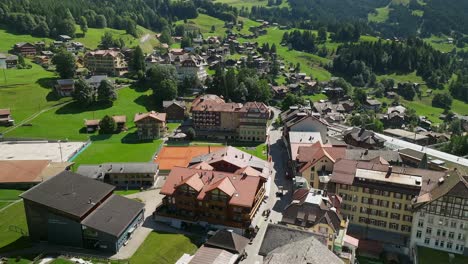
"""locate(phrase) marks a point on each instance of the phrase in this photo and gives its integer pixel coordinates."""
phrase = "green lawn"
(162, 248)
(4, 204)
(440, 43)
(114, 150)
(61, 261)
(432, 256)
(8, 39)
(8, 194)
(380, 15)
(126, 192)
(9, 240)
(27, 91)
(204, 23)
(258, 151)
(71, 117)
(316, 97)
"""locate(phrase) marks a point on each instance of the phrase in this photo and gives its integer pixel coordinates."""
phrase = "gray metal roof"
(114, 215)
(228, 240)
(98, 171)
(364, 154)
(278, 235)
(69, 192)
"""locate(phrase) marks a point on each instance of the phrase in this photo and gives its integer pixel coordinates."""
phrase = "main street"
(279, 157)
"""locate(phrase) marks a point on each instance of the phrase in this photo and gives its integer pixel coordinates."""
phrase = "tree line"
(50, 18)
(357, 62)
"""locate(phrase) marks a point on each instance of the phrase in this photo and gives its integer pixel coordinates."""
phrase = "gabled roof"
(181, 104)
(452, 184)
(161, 117)
(202, 166)
(5, 112)
(98, 171)
(312, 154)
(193, 181)
(234, 156)
(228, 240)
(240, 189)
(364, 154)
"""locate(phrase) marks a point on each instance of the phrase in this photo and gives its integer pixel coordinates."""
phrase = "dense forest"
(52, 17)
(358, 61)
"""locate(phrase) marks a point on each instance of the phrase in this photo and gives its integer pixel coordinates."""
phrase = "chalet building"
(8, 61)
(151, 125)
(314, 211)
(360, 137)
(440, 219)
(175, 110)
(65, 87)
(191, 67)
(108, 62)
(208, 197)
(73, 210)
(412, 137)
(233, 160)
(301, 119)
(133, 175)
(372, 104)
(25, 49)
(5, 117)
(92, 125)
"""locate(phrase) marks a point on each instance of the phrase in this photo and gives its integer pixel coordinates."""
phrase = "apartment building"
(213, 117)
(253, 118)
(377, 198)
(110, 62)
(440, 220)
(208, 197)
(151, 125)
(314, 211)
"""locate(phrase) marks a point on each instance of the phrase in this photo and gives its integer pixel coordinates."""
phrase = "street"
(276, 204)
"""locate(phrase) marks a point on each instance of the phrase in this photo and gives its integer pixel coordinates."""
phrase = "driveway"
(151, 199)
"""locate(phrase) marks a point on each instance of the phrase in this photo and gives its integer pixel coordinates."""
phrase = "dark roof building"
(360, 137)
(229, 241)
(73, 210)
(287, 245)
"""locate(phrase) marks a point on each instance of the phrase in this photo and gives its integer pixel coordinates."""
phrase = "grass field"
(126, 192)
(8, 194)
(114, 150)
(249, 3)
(380, 15)
(204, 23)
(13, 215)
(441, 43)
(8, 39)
(68, 120)
(432, 256)
(27, 91)
(258, 151)
(163, 248)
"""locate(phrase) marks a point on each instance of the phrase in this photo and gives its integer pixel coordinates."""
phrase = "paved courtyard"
(38, 150)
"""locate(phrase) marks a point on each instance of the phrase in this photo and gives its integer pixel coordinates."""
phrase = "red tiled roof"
(241, 189)
(155, 115)
(310, 155)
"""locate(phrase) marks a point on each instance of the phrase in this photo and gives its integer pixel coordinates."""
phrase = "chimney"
(181, 178)
(389, 171)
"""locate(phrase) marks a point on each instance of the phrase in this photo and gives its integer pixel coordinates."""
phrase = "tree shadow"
(140, 87)
(148, 102)
(52, 96)
(47, 82)
(77, 108)
(100, 137)
(132, 138)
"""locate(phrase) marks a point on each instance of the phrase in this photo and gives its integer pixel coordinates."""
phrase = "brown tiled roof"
(310, 155)
(453, 183)
(202, 166)
(255, 107)
(5, 112)
(102, 53)
(92, 122)
(214, 103)
(22, 171)
(240, 189)
(161, 117)
(120, 119)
